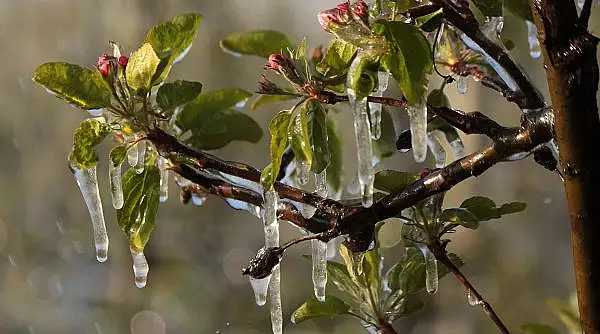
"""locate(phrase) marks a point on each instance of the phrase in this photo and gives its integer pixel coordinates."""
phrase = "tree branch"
(586, 11)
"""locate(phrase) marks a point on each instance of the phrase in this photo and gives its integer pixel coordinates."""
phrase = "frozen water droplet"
(458, 148)
(260, 287)
(436, 148)
(198, 200)
(116, 189)
(431, 269)
(302, 172)
(319, 268)
(139, 166)
(87, 181)
(375, 108)
(164, 179)
(535, 50)
(140, 268)
(417, 115)
(462, 85)
(472, 299)
(241, 104)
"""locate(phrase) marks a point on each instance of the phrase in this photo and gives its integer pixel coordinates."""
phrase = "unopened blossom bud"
(123, 61)
(265, 86)
(341, 15)
(361, 10)
(103, 64)
(285, 67)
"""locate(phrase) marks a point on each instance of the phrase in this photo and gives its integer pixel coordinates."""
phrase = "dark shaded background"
(50, 281)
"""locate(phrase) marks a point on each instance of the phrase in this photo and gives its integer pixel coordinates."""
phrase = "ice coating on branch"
(471, 298)
(417, 115)
(319, 268)
(436, 148)
(132, 153)
(462, 85)
(375, 108)
(331, 249)
(458, 148)
(272, 240)
(357, 262)
(139, 166)
(260, 287)
(302, 172)
(87, 181)
(164, 179)
(535, 50)
(140, 268)
(431, 269)
(116, 189)
(362, 130)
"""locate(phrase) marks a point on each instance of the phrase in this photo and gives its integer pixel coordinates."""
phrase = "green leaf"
(298, 134)
(82, 87)
(485, 209)
(278, 127)
(337, 58)
(411, 305)
(460, 216)
(213, 124)
(442, 125)
(392, 180)
(385, 146)
(177, 93)
(141, 68)
(339, 276)
(88, 135)
(437, 98)
(371, 269)
(318, 136)
(408, 58)
(361, 79)
(263, 99)
(539, 329)
(141, 194)
(261, 43)
(117, 155)
(334, 145)
(314, 309)
(567, 313)
(431, 21)
(519, 8)
(489, 8)
(172, 39)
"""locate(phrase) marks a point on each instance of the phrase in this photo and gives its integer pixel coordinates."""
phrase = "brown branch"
(442, 256)
(464, 20)
(572, 72)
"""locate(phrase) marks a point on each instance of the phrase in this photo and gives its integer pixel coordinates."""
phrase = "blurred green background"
(50, 281)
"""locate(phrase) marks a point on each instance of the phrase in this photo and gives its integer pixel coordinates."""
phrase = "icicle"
(431, 270)
(458, 148)
(164, 179)
(87, 181)
(417, 115)
(321, 183)
(140, 268)
(362, 130)
(139, 166)
(272, 240)
(437, 150)
(132, 153)
(116, 189)
(471, 298)
(462, 85)
(375, 108)
(319, 268)
(260, 286)
(535, 51)
(331, 249)
(302, 172)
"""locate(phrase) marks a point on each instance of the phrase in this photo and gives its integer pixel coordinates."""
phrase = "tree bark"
(572, 71)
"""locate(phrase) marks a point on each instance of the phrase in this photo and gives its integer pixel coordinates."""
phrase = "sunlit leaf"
(279, 140)
(298, 135)
(314, 309)
(88, 135)
(263, 99)
(337, 58)
(385, 146)
(260, 43)
(117, 155)
(392, 180)
(177, 93)
(460, 216)
(141, 68)
(318, 136)
(334, 144)
(485, 209)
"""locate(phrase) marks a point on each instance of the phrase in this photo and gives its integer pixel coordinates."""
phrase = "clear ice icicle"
(431, 270)
(275, 302)
(417, 115)
(87, 180)
(458, 148)
(302, 172)
(535, 50)
(462, 85)
(375, 108)
(471, 298)
(116, 189)
(437, 150)
(132, 153)
(260, 287)
(164, 179)
(272, 240)
(362, 130)
(140, 268)
(319, 268)
(321, 183)
(139, 166)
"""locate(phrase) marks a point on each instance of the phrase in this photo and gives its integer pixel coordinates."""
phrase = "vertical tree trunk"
(572, 70)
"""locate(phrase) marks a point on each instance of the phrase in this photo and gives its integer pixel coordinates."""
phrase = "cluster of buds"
(284, 66)
(107, 64)
(266, 86)
(343, 15)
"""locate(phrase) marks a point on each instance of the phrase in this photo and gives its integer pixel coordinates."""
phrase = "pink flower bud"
(123, 61)
(265, 86)
(332, 18)
(285, 67)
(103, 64)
